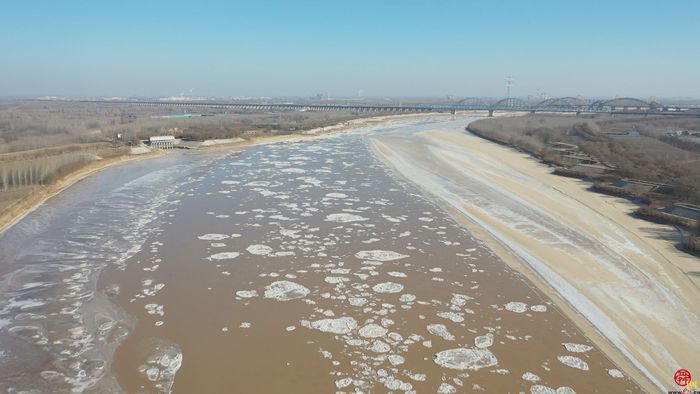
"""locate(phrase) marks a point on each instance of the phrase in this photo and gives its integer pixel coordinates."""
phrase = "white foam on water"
(285, 290)
(344, 218)
(224, 256)
(387, 287)
(577, 347)
(341, 325)
(379, 255)
(517, 307)
(372, 331)
(465, 359)
(573, 362)
(441, 331)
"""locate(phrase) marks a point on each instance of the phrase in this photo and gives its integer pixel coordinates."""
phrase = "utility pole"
(509, 83)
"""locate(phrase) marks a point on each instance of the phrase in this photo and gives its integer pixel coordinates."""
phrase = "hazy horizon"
(393, 49)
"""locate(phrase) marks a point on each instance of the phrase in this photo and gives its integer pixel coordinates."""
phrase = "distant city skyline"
(350, 49)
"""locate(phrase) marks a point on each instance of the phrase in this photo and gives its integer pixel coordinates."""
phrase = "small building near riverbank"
(161, 142)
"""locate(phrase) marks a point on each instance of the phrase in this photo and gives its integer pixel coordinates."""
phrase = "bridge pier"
(490, 113)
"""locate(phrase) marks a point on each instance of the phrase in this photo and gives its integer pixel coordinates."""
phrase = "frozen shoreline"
(607, 266)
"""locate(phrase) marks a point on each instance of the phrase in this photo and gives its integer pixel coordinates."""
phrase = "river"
(301, 266)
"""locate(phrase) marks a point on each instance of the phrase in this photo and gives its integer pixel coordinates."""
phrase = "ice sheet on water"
(213, 237)
(372, 331)
(224, 256)
(517, 307)
(531, 377)
(246, 293)
(259, 250)
(379, 255)
(387, 287)
(397, 274)
(577, 347)
(573, 362)
(441, 331)
(341, 325)
(285, 290)
(465, 359)
(345, 218)
(615, 373)
(483, 341)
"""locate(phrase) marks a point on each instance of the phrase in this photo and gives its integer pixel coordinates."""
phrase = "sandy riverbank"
(619, 276)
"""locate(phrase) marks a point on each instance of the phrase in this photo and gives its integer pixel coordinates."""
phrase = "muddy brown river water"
(296, 267)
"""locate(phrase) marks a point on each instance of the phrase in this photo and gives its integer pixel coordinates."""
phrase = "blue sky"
(385, 48)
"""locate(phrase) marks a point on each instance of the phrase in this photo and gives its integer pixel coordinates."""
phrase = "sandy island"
(617, 276)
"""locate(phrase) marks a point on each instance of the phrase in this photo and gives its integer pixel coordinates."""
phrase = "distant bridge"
(624, 105)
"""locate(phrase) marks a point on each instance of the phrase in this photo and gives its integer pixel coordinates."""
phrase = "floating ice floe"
(446, 388)
(372, 331)
(387, 287)
(224, 256)
(341, 325)
(335, 279)
(342, 383)
(397, 274)
(161, 367)
(379, 255)
(453, 316)
(212, 237)
(407, 298)
(538, 308)
(285, 290)
(344, 218)
(245, 324)
(531, 377)
(483, 341)
(441, 331)
(259, 250)
(395, 359)
(336, 195)
(517, 307)
(357, 301)
(573, 362)
(540, 389)
(615, 373)
(247, 293)
(465, 358)
(577, 347)
(380, 347)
